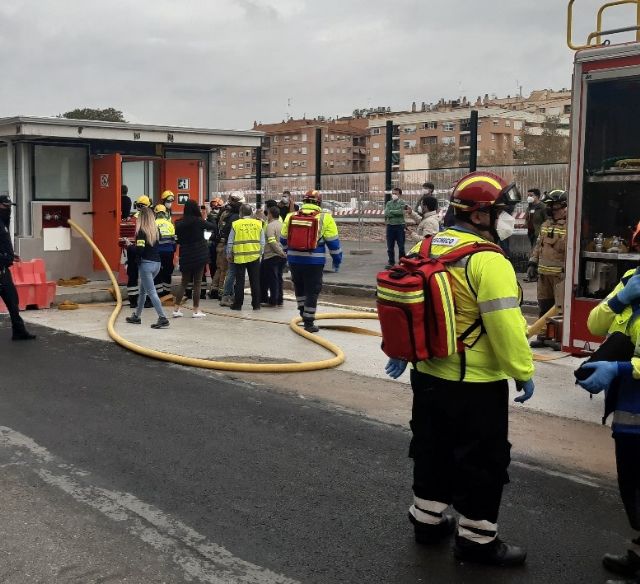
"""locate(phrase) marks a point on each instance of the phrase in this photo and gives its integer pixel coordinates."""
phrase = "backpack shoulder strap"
(469, 249)
(425, 247)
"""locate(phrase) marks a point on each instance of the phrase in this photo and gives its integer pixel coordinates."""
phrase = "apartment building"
(289, 149)
(446, 136)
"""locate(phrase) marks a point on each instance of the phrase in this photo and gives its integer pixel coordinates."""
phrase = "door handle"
(88, 212)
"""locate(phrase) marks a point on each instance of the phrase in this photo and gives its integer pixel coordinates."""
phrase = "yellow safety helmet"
(166, 195)
(143, 201)
(159, 209)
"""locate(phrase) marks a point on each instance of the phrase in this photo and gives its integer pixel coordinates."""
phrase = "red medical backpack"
(303, 231)
(416, 304)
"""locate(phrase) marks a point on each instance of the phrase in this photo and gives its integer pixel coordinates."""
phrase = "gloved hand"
(604, 372)
(528, 387)
(631, 292)
(532, 271)
(395, 368)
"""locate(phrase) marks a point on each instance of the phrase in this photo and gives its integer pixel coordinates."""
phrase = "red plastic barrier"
(31, 282)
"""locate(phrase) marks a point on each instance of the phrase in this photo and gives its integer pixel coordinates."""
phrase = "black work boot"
(213, 294)
(427, 534)
(539, 342)
(627, 565)
(496, 553)
(133, 301)
(22, 335)
(162, 322)
(310, 327)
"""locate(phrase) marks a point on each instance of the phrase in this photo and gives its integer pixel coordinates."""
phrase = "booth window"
(60, 173)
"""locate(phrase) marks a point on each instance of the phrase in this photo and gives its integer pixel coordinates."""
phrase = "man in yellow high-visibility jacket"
(244, 248)
(460, 445)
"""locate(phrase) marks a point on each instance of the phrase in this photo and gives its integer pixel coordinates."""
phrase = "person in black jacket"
(148, 260)
(235, 201)
(8, 291)
(194, 255)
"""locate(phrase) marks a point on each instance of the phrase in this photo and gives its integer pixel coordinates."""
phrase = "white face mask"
(394, 197)
(505, 225)
(530, 200)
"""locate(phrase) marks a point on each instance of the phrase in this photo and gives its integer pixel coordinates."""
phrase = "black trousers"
(132, 275)
(307, 283)
(9, 296)
(163, 280)
(460, 447)
(627, 457)
(271, 270)
(253, 269)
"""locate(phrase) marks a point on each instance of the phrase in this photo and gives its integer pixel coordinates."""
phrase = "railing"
(599, 33)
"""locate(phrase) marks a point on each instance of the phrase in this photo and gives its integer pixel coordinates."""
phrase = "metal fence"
(357, 200)
(369, 187)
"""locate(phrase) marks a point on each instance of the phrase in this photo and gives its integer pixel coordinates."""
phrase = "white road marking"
(199, 558)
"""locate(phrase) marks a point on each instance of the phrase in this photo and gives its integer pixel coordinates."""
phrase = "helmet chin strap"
(491, 228)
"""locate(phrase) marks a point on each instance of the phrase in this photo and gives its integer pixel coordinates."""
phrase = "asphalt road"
(184, 462)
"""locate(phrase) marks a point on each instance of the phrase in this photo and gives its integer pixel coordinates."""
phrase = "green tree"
(547, 146)
(441, 155)
(86, 113)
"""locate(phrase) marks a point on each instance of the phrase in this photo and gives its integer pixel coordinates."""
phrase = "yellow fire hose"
(224, 365)
(255, 367)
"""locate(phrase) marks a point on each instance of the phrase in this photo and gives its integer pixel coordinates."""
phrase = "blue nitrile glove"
(631, 292)
(528, 387)
(395, 368)
(604, 372)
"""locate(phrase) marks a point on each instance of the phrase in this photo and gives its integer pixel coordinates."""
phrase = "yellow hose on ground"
(338, 359)
(225, 365)
(540, 324)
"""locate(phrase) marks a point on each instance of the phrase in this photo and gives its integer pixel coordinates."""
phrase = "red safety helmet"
(481, 189)
(313, 196)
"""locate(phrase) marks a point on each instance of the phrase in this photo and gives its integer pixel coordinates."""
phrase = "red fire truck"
(604, 180)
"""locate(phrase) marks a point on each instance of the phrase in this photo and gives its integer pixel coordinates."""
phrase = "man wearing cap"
(8, 291)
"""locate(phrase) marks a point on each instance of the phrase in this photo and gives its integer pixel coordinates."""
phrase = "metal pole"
(473, 137)
(318, 158)
(259, 176)
(388, 161)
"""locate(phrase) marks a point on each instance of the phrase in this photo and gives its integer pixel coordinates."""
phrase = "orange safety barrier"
(31, 283)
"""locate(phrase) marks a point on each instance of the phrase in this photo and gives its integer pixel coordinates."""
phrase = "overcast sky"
(225, 63)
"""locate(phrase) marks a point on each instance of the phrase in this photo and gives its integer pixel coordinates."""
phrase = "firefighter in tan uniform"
(547, 260)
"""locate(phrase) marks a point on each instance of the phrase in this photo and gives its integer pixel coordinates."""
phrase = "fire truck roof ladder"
(599, 33)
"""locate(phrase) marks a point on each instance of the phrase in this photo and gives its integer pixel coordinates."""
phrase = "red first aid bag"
(416, 304)
(303, 231)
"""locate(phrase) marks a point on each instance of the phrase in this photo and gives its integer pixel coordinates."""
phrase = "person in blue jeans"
(394, 218)
(148, 258)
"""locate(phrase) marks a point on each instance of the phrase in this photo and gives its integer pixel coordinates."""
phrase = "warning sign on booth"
(183, 184)
(104, 181)
(183, 198)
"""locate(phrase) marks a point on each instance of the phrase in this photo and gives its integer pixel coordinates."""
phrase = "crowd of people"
(231, 240)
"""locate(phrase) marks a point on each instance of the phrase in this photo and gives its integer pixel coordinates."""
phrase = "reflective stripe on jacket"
(248, 236)
(608, 317)
(327, 234)
(550, 249)
(485, 287)
(167, 230)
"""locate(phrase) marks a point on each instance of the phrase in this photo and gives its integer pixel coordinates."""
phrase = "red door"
(106, 181)
(183, 178)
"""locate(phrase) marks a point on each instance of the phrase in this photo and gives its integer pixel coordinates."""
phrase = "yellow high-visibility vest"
(246, 240)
